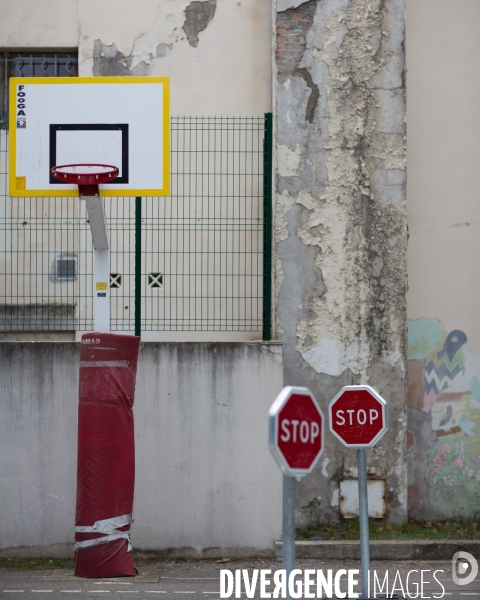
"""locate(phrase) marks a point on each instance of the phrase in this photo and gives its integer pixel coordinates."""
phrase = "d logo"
(460, 563)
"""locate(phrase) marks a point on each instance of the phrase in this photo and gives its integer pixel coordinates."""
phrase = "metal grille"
(35, 64)
(202, 247)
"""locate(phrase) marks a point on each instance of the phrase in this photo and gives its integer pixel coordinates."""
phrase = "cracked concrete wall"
(218, 53)
(340, 233)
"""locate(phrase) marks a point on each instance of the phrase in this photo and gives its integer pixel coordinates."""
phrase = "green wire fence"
(205, 261)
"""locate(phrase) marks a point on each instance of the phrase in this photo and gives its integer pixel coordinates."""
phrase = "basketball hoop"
(87, 180)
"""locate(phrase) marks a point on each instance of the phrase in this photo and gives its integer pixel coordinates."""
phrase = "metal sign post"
(358, 418)
(101, 270)
(88, 177)
(296, 441)
(288, 528)
(363, 516)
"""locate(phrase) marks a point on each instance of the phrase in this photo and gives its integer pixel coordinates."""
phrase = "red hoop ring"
(85, 178)
(87, 182)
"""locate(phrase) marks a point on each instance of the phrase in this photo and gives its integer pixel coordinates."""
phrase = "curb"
(383, 549)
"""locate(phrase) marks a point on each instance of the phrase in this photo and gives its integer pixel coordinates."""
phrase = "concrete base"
(383, 549)
(341, 550)
(66, 551)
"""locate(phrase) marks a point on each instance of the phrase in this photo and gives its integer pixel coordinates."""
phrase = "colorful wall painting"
(444, 383)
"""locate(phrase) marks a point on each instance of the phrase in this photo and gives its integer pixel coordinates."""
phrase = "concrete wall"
(444, 292)
(27, 25)
(218, 53)
(205, 479)
(341, 220)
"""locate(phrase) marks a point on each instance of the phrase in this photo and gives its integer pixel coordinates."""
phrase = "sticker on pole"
(296, 431)
(358, 416)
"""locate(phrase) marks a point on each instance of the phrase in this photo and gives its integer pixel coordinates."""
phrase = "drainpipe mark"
(304, 73)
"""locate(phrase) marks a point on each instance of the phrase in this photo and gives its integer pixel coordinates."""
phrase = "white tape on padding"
(123, 364)
(109, 527)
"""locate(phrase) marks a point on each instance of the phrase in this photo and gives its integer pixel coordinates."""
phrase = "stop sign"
(358, 416)
(296, 431)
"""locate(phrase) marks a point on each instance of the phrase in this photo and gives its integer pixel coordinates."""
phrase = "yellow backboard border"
(12, 180)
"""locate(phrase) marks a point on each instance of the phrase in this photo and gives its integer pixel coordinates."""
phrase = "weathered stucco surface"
(50, 24)
(217, 53)
(341, 220)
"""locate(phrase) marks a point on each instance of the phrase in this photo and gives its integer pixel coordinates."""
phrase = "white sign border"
(273, 413)
(377, 396)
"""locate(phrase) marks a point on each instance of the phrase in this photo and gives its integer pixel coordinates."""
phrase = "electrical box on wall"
(66, 268)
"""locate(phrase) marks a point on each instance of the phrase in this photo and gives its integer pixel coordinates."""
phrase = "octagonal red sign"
(358, 416)
(296, 431)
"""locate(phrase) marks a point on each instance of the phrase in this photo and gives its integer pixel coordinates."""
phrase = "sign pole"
(358, 418)
(288, 547)
(296, 441)
(363, 514)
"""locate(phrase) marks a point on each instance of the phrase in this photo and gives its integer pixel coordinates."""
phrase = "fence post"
(267, 225)
(138, 265)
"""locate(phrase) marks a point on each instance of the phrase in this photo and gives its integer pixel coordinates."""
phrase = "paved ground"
(200, 580)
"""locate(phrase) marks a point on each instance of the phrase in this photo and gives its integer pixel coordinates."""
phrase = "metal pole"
(101, 266)
(138, 265)
(288, 551)
(267, 225)
(101, 305)
(363, 513)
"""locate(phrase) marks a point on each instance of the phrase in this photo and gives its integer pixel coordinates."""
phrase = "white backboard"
(121, 121)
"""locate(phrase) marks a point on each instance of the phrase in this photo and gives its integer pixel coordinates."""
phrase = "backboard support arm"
(98, 227)
(87, 176)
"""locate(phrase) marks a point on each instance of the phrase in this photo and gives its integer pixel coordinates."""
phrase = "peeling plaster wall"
(218, 53)
(341, 221)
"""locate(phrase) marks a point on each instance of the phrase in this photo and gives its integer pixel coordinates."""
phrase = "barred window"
(32, 64)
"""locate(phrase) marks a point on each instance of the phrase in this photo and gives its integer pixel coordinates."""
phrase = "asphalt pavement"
(200, 579)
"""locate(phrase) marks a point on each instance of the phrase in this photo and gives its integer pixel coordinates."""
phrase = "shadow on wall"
(444, 384)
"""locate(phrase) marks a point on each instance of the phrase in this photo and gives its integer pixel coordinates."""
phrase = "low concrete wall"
(393, 550)
(205, 480)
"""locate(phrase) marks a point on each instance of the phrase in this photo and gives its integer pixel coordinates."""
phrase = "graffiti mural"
(444, 383)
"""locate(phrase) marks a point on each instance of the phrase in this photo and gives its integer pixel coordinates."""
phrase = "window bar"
(18, 66)
(5, 96)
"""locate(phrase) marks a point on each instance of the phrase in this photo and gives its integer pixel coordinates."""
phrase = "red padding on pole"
(106, 455)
